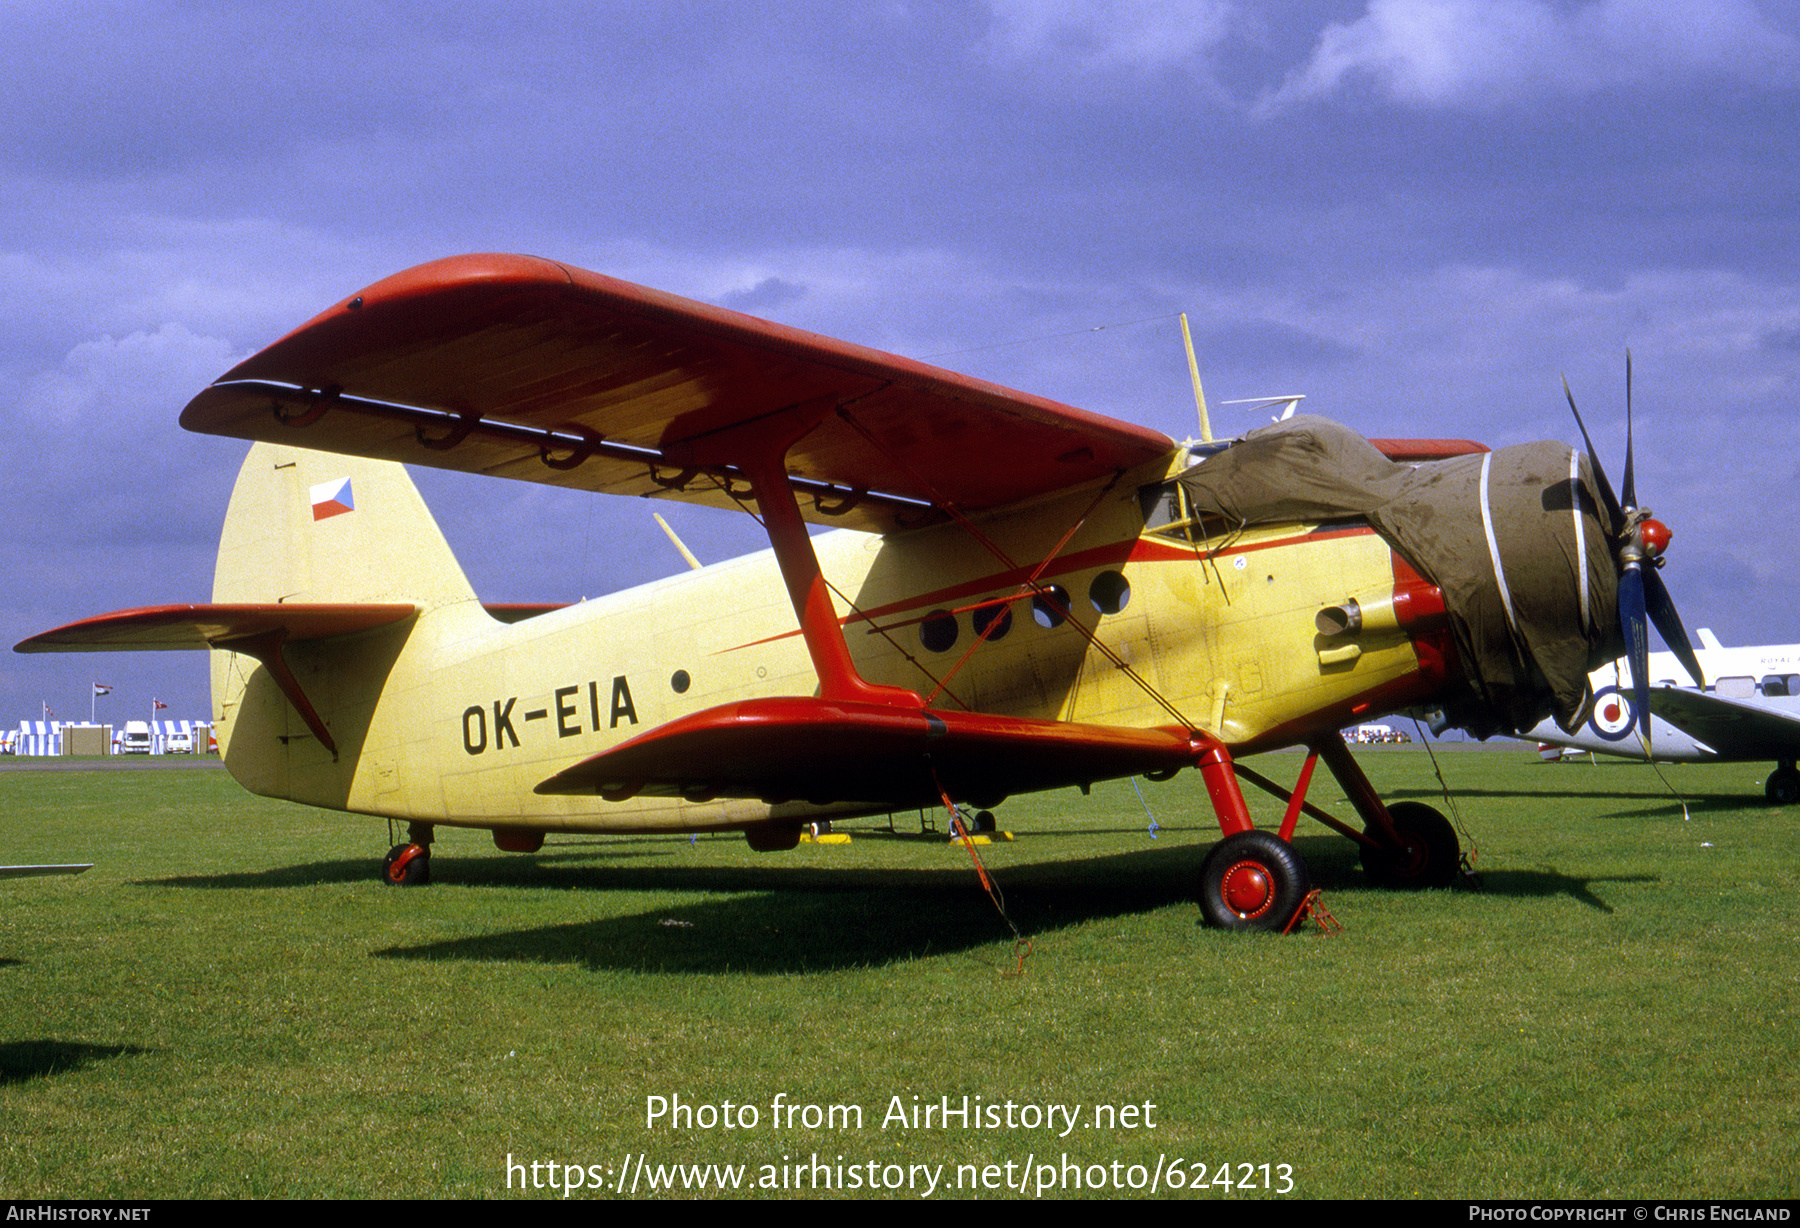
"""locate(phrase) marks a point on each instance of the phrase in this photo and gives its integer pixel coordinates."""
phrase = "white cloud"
(122, 377)
(1484, 53)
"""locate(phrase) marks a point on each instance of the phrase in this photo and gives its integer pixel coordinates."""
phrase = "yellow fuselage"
(454, 717)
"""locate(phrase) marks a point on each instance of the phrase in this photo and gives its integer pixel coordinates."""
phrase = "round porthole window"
(998, 617)
(1050, 608)
(1110, 592)
(938, 631)
(680, 682)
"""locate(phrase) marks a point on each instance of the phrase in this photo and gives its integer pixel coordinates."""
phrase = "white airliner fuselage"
(1748, 710)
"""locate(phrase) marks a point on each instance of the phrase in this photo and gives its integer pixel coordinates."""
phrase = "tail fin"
(320, 527)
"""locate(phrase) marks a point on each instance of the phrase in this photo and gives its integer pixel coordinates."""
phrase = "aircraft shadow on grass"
(781, 919)
(1544, 882)
(512, 871)
(1652, 801)
(784, 921)
(21, 1060)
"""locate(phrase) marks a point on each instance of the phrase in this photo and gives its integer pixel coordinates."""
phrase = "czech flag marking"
(332, 499)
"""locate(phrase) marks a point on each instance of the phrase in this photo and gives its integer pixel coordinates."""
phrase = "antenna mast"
(1187, 340)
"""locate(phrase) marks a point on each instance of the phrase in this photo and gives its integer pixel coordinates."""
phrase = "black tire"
(983, 821)
(416, 872)
(1431, 857)
(1783, 787)
(1253, 880)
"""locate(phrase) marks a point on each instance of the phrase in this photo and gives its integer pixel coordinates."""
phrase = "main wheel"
(1783, 787)
(407, 865)
(1253, 880)
(1429, 856)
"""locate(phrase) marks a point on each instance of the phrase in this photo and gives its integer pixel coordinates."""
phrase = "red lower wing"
(833, 751)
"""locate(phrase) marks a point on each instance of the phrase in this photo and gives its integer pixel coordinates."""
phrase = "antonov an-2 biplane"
(1030, 596)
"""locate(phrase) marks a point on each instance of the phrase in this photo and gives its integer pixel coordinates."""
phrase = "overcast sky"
(1419, 213)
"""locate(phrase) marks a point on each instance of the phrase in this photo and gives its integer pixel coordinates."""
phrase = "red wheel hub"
(396, 871)
(1248, 889)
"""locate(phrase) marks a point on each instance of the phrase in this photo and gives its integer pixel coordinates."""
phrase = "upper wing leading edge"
(521, 367)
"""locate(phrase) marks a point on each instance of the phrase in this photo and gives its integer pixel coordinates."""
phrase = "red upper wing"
(528, 343)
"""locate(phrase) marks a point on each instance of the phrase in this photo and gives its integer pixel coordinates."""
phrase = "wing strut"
(759, 448)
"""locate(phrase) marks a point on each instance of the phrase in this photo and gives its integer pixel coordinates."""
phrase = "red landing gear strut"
(1255, 879)
(1252, 880)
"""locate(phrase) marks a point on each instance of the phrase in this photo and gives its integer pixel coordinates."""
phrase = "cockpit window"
(1166, 511)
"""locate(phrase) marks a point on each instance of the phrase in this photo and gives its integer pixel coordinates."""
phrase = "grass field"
(230, 1004)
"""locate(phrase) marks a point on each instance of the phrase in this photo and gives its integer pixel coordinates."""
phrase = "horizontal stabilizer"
(835, 751)
(163, 628)
(1734, 728)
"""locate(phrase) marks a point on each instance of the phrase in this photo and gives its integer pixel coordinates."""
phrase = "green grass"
(229, 1004)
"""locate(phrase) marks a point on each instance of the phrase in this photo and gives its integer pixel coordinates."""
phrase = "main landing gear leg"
(1407, 845)
(1251, 880)
(409, 865)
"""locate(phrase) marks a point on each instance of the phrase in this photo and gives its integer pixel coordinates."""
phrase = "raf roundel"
(1612, 717)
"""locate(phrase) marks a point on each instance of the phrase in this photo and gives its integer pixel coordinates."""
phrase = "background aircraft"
(1748, 710)
(1037, 596)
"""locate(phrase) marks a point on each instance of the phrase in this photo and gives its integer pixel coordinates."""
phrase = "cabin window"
(1110, 592)
(680, 682)
(938, 631)
(1050, 608)
(1777, 685)
(1735, 688)
(999, 617)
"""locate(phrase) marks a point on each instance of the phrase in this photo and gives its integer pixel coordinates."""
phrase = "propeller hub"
(1654, 536)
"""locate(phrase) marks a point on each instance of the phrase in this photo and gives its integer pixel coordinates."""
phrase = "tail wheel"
(1253, 880)
(407, 865)
(1429, 853)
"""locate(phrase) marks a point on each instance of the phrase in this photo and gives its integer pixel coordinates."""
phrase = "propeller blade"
(1637, 647)
(1629, 493)
(1606, 490)
(1668, 624)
